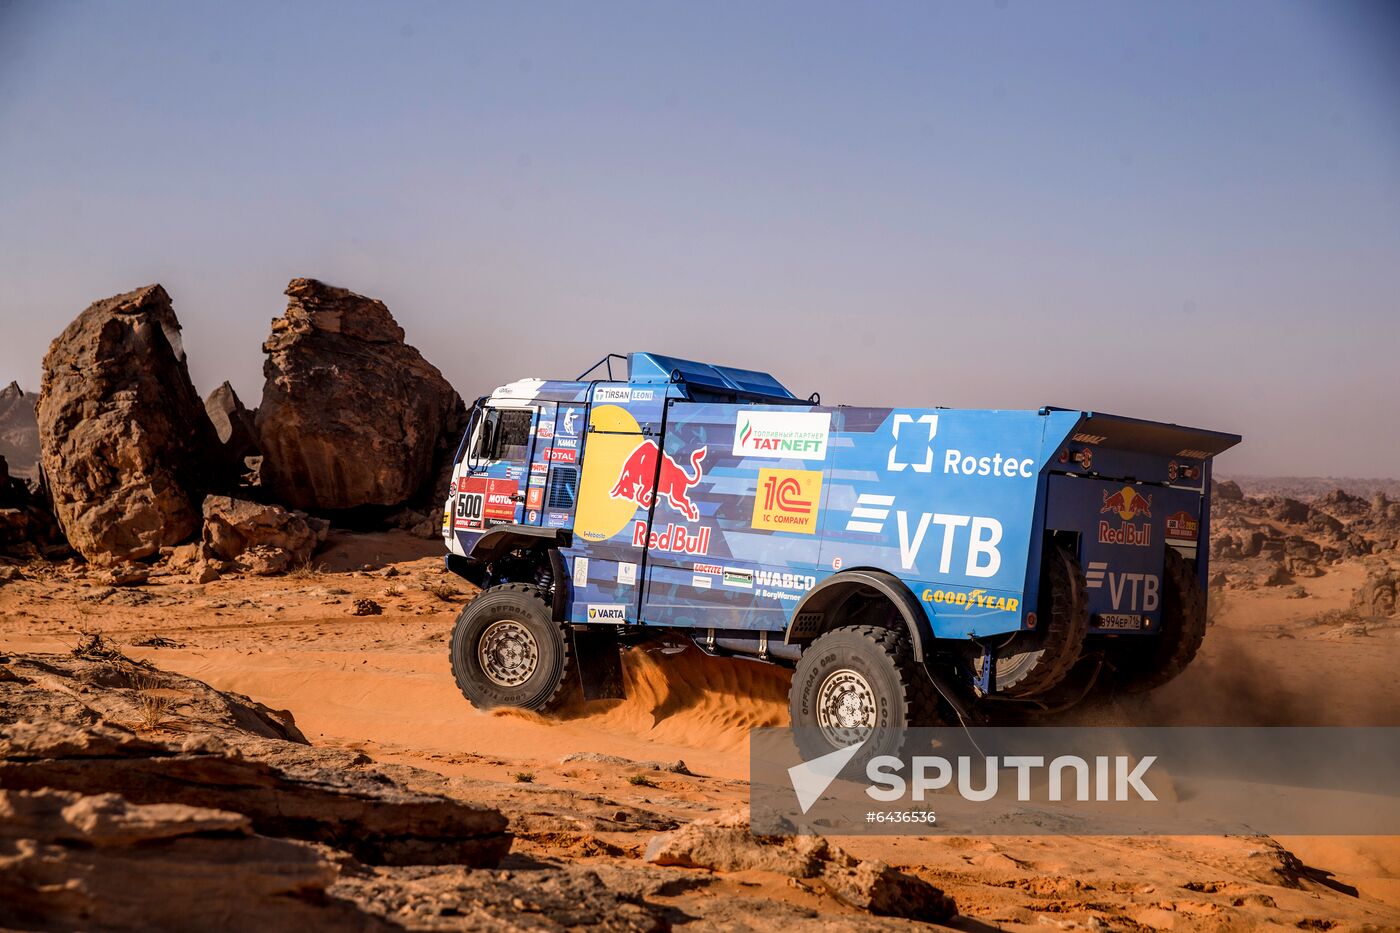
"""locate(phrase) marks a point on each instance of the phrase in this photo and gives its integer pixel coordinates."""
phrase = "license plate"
(1114, 620)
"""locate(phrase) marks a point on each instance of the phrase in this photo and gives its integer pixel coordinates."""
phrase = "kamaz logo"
(783, 581)
(1141, 589)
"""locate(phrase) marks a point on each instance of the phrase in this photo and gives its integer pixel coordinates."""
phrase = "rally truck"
(910, 564)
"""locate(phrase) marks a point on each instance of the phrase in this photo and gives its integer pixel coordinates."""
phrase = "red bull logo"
(643, 479)
(1128, 503)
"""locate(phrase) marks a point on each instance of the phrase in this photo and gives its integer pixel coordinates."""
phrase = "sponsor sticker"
(1182, 526)
(783, 580)
(973, 599)
(782, 435)
(539, 468)
(738, 578)
(580, 572)
(545, 431)
(607, 613)
(556, 519)
(714, 570)
(677, 539)
(481, 500)
(534, 498)
(1127, 533)
(787, 500)
(560, 455)
(700, 581)
(569, 423)
(612, 394)
(627, 574)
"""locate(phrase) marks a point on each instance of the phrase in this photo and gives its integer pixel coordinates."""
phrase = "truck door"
(490, 488)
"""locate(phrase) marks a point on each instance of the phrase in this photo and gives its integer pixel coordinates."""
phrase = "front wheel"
(856, 684)
(507, 650)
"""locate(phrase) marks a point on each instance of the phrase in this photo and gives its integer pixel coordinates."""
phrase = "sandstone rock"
(1379, 596)
(19, 431)
(366, 607)
(69, 861)
(125, 444)
(1227, 491)
(125, 574)
(876, 887)
(234, 427)
(351, 415)
(267, 538)
(203, 572)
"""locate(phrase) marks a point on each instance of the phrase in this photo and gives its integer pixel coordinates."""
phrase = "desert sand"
(381, 685)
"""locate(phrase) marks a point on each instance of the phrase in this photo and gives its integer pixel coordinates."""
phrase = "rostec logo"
(640, 481)
(611, 613)
(1141, 589)
(782, 435)
(930, 426)
(787, 500)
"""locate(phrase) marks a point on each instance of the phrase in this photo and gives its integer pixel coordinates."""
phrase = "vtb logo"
(787, 500)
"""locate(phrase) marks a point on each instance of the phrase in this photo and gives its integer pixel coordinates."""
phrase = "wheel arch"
(818, 610)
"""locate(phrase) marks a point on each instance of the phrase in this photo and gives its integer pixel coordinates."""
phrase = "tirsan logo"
(973, 599)
(783, 581)
(612, 394)
(1134, 592)
(1127, 503)
(787, 500)
(676, 538)
(782, 435)
(610, 613)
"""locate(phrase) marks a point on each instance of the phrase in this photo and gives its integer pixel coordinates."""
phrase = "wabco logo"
(787, 500)
(783, 581)
(1140, 589)
(793, 435)
(606, 614)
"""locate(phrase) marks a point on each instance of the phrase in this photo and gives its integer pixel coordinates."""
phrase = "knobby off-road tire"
(507, 650)
(1030, 663)
(1145, 662)
(865, 677)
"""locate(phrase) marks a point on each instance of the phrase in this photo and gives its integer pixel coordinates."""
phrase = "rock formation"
(125, 442)
(234, 427)
(19, 431)
(279, 538)
(351, 415)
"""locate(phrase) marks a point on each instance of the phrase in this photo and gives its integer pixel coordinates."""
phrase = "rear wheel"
(1145, 662)
(507, 650)
(856, 684)
(1032, 662)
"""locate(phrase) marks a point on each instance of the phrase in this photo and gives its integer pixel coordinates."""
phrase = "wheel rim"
(508, 653)
(845, 708)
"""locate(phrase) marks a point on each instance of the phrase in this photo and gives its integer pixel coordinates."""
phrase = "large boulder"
(234, 427)
(124, 440)
(19, 431)
(234, 527)
(351, 415)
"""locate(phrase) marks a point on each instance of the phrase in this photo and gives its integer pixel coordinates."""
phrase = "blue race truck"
(911, 564)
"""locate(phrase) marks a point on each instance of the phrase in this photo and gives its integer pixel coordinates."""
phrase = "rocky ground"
(623, 814)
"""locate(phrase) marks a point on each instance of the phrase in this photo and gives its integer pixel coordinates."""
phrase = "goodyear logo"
(973, 599)
(787, 500)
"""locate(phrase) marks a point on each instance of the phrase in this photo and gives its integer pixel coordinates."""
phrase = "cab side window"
(504, 435)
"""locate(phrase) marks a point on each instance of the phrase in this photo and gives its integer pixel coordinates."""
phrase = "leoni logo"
(782, 435)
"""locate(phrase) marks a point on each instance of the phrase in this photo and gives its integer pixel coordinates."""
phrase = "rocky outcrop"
(55, 735)
(351, 416)
(19, 431)
(1379, 596)
(725, 844)
(27, 529)
(271, 538)
(235, 428)
(125, 442)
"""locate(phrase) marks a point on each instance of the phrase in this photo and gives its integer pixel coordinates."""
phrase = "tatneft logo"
(1117, 778)
(782, 435)
(1134, 592)
(983, 557)
(609, 613)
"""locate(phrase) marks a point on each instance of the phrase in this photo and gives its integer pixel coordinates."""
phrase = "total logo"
(640, 480)
(1130, 592)
(983, 559)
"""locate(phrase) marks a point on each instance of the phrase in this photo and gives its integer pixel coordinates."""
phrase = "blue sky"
(1186, 211)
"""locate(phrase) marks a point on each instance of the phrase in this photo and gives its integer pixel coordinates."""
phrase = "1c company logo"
(787, 500)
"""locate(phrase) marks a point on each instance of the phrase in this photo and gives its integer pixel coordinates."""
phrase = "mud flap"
(599, 663)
